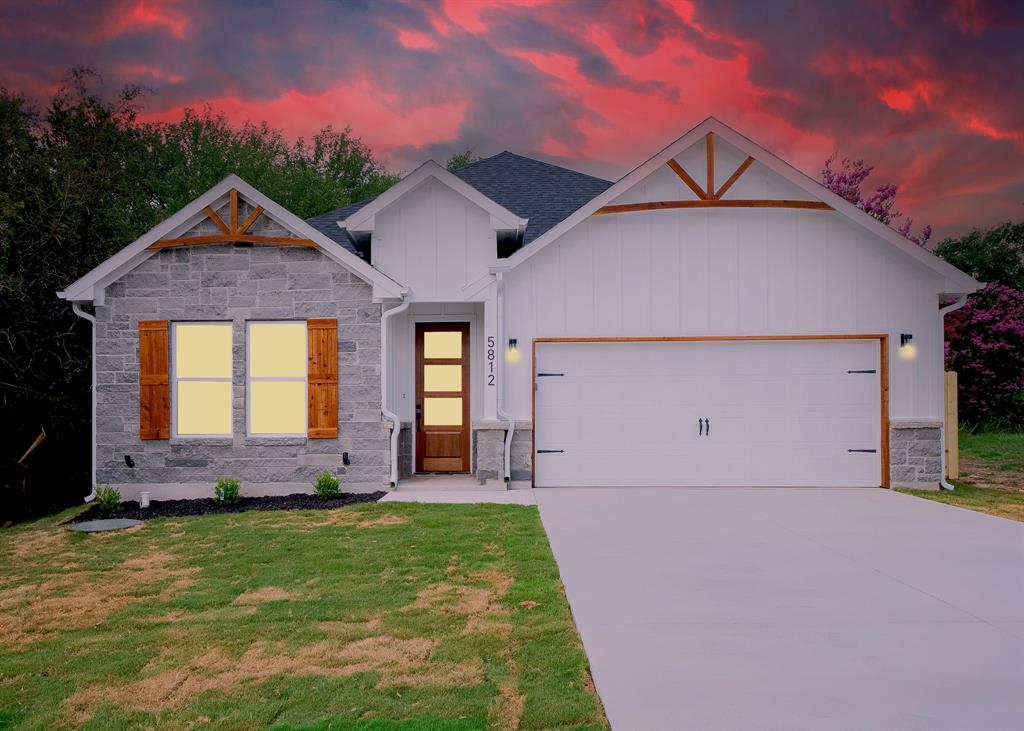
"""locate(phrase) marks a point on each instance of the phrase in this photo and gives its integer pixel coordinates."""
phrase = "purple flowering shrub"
(846, 182)
(985, 345)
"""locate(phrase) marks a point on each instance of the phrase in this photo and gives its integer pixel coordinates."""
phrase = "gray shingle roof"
(544, 193)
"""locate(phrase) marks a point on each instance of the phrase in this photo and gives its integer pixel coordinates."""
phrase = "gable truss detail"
(708, 197)
(232, 232)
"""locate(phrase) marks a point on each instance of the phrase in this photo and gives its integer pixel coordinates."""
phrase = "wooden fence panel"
(952, 428)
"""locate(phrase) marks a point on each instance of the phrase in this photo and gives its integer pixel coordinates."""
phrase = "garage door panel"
(781, 413)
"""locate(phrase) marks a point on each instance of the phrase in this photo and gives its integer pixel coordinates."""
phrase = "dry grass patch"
(75, 600)
(261, 595)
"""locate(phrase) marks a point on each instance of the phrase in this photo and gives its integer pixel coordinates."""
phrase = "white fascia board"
(955, 280)
(502, 219)
(89, 288)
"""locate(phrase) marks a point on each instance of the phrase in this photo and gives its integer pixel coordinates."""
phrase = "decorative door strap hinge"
(866, 370)
(550, 451)
(862, 450)
(542, 375)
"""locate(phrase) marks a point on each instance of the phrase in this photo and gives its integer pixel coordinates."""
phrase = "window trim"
(175, 380)
(249, 378)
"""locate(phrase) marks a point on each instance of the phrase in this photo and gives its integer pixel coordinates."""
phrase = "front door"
(442, 397)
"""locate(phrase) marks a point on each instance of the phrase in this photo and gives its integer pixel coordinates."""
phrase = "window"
(202, 379)
(276, 385)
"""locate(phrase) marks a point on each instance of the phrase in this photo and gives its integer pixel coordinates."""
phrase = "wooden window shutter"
(323, 378)
(154, 380)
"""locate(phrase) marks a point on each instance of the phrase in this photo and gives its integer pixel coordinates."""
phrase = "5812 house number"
(490, 360)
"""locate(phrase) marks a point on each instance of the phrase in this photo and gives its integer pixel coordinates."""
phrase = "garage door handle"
(700, 427)
(707, 427)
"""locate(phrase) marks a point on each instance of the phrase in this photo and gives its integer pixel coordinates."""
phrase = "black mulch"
(207, 505)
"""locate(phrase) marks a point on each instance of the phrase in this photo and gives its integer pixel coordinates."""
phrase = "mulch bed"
(207, 505)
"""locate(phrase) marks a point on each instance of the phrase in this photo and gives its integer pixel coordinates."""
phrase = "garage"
(718, 412)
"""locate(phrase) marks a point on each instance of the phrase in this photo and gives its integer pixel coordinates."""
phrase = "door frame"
(883, 370)
(466, 438)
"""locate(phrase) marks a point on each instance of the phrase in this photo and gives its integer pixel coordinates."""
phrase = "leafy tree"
(993, 255)
(462, 159)
(846, 182)
(984, 343)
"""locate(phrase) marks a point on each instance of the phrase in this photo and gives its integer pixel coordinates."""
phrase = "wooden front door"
(442, 397)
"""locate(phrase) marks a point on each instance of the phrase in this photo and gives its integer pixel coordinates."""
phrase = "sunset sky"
(931, 93)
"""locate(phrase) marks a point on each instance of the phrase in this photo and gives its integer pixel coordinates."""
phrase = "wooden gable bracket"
(708, 197)
(232, 232)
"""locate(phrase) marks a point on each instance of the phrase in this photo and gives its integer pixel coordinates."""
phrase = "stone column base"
(915, 453)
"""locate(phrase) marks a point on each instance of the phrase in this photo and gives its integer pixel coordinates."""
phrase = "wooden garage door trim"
(883, 370)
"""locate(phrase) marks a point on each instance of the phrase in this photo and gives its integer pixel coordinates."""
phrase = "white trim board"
(955, 281)
(90, 287)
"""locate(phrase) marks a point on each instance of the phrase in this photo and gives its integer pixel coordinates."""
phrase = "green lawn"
(991, 474)
(376, 616)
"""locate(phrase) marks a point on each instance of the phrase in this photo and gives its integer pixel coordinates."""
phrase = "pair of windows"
(275, 385)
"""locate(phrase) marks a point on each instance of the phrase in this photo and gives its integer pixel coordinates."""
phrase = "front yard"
(991, 474)
(376, 616)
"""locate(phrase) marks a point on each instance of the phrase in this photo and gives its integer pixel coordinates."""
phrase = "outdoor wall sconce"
(512, 354)
(908, 351)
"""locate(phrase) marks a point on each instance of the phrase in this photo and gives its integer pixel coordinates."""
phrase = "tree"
(993, 255)
(462, 159)
(846, 182)
(984, 343)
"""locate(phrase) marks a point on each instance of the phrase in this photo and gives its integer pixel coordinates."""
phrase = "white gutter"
(92, 390)
(396, 423)
(502, 414)
(943, 311)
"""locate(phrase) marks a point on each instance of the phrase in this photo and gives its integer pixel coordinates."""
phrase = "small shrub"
(227, 491)
(327, 485)
(109, 499)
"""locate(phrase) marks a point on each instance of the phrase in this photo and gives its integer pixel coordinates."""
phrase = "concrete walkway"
(800, 609)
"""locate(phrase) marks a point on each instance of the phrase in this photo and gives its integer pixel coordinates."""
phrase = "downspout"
(92, 390)
(500, 403)
(943, 311)
(396, 423)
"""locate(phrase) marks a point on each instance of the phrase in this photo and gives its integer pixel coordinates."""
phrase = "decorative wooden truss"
(232, 232)
(708, 197)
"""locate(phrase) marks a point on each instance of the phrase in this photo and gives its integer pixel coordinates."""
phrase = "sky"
(930, 93)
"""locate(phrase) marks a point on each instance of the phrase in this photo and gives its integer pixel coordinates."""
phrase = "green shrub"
(327, 485)
(227, 491)
(109, 499)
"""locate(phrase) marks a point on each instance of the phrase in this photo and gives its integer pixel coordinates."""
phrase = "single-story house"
(713, 318)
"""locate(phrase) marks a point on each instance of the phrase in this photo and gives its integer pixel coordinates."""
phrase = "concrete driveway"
(802, 609)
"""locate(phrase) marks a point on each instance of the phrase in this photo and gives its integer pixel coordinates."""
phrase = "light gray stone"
(238, 284)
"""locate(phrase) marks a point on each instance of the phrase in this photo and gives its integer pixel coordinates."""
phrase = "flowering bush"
(846, 181)
(984, 345)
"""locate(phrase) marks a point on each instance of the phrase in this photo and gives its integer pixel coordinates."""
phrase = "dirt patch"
(84, 599)
(987, 474)
(263, 594)
(40, 543)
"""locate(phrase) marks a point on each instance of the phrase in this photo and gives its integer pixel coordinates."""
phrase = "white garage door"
(708, 413)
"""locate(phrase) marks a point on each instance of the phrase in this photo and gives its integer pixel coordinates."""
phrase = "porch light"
(512, 354)
(908, 351)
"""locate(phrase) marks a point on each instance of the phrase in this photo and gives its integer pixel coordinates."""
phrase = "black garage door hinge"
(862, 450)
(550, 451)
(542, 375)
(867, 370)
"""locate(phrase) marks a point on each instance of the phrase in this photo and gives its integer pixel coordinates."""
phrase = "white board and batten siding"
(436, 242)
(728, 272)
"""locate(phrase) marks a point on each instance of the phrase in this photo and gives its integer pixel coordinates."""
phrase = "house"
(713, 318)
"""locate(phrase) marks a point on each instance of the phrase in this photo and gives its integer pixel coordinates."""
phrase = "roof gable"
(696, 188)
(363, 220)
(190, 222)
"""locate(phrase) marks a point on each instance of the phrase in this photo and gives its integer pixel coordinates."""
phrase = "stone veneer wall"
(915, 453)
(489, 451)
(221, 283)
